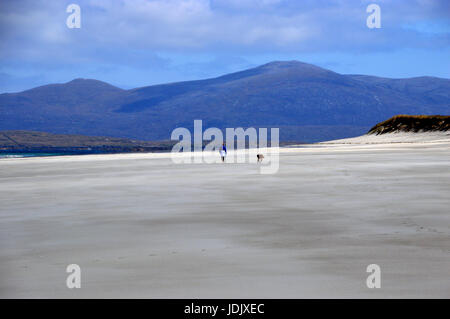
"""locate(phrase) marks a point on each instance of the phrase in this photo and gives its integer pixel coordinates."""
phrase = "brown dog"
(260, 157)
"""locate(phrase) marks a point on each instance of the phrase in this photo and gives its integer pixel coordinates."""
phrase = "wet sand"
(141, 226)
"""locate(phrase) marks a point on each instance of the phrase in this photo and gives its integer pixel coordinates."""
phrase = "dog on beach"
(260, 157)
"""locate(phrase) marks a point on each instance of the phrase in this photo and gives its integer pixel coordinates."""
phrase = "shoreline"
(317, 147)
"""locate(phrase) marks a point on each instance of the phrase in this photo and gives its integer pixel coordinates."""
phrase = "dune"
(396, 137)
(404, 129)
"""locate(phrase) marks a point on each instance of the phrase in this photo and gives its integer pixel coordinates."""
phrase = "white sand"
(399, 137)
(141, 226)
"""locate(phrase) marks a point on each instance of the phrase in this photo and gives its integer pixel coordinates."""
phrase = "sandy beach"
(141, 226)
(396, 137)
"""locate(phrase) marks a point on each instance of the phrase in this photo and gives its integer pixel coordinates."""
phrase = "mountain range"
(306, 102)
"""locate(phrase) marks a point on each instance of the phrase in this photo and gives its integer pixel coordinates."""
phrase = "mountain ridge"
(291, 95)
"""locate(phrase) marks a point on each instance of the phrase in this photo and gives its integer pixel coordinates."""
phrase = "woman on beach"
(223, 152)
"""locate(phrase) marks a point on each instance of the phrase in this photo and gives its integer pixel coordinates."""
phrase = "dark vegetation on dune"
(412, 123)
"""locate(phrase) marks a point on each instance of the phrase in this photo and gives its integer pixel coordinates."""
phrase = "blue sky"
(132, 43)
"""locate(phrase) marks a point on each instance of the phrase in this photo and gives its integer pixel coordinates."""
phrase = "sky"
(134, 43)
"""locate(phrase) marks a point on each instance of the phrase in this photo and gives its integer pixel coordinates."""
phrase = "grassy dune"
(412, 123)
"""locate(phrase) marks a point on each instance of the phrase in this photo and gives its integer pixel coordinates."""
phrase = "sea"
(21, 155)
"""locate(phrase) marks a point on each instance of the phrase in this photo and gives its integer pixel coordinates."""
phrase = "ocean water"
(21, 155)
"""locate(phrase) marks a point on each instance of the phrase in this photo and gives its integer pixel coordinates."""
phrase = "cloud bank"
(165, 37)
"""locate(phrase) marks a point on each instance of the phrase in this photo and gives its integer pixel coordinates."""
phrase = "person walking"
(223, 152)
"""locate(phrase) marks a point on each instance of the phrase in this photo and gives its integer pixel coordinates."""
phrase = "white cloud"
(139, 34)
(199, 25)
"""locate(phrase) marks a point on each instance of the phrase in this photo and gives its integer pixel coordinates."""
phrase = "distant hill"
(306, 102)
(412, 123)
(41, 142)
